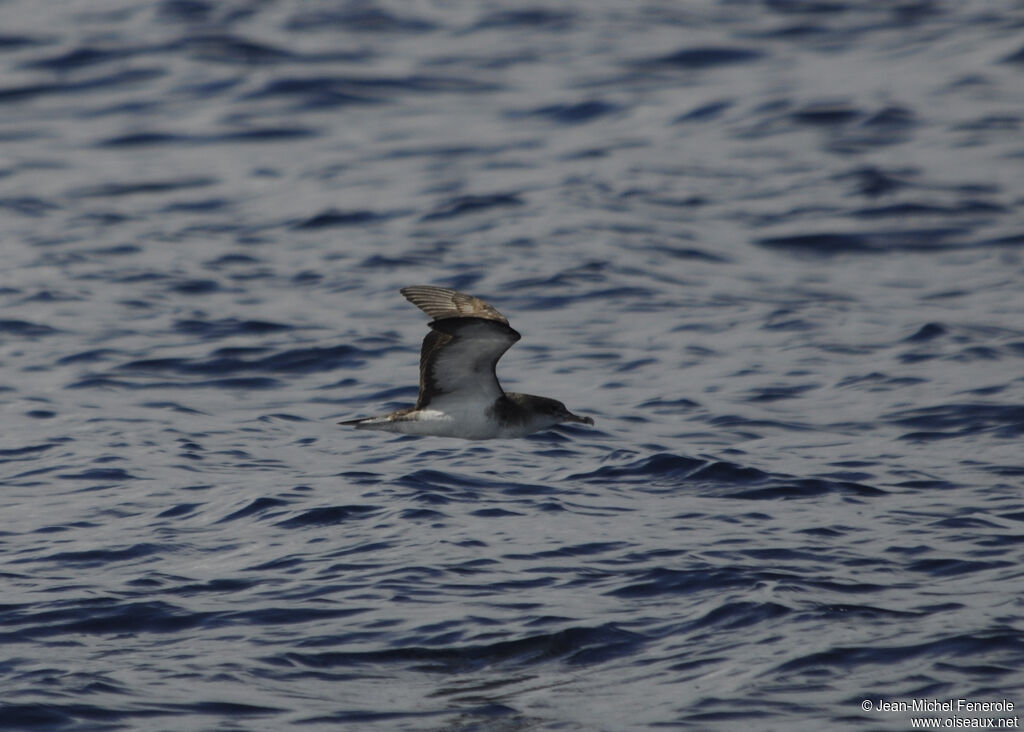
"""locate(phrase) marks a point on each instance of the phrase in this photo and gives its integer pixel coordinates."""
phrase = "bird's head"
(558, 413)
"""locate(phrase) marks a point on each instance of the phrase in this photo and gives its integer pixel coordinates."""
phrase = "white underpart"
(465, 419)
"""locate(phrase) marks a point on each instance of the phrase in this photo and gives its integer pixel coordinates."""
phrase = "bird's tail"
(355, 422)
(368, 423)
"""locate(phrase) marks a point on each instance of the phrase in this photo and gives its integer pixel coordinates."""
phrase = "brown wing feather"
(441, 302)
(432, 343)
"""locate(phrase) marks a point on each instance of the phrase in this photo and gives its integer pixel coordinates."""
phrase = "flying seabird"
(459, 391)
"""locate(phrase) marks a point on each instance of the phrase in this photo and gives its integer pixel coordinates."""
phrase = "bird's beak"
(577, 418)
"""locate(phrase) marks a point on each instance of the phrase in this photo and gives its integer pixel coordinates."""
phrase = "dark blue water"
(773, 248)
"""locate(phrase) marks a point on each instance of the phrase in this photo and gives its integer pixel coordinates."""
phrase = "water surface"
(772, 248)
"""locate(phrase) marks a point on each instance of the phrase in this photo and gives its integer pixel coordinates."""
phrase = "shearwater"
(459, 391)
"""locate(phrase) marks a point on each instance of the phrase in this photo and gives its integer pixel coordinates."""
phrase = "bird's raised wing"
(441, 303)
(459, 355)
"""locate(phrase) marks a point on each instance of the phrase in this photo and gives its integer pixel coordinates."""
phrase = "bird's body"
(459, 391)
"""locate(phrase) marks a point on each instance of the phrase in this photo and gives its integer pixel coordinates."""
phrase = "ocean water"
(773, 248)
